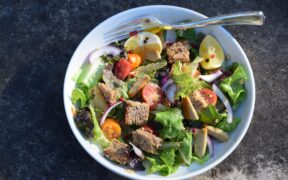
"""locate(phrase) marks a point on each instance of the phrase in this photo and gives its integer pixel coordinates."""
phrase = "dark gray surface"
(37, 40)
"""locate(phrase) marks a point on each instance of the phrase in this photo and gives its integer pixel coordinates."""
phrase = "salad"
(158, 100)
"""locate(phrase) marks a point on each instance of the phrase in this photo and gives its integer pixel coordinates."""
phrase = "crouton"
(146, 141)
(136, 113)
(109, 94)
(118, 152)
(198, 101)
(178, 51)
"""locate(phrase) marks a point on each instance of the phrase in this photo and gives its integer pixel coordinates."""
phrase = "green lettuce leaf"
(201, 160)
(171, 120)
(78, 98)
(191, 67)
(164, 164)
(168, 156)
(185, 149)
(228, 127)
(234, 84)
(150, 68)
(90, 74)
(98, 135)
(210, 115)
(185, 83)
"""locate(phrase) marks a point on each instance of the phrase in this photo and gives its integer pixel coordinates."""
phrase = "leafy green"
(113, 82)
(185, 149)
(185, 83)
(98, 135)
(150, 68)
(164, 163)
(228, 127)
(193, 53)
(234, 84)
(110, 59)
(90, 74)
(78, 98)
(201, 160)
(210, 115)
(168, 156)
(189, 34)
(171, 120)
(191, 67)
(169, 159)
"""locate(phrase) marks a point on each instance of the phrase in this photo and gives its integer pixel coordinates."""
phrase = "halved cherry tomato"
(111, 129)
(135, 60)
(209, 96)
(152, 94)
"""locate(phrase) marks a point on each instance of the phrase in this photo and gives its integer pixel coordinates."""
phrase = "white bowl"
(168, 14)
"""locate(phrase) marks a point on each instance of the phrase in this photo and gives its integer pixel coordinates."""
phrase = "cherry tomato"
(135, 60)
(122, 69)
(209, 96)
(111, 128)
(152, 94)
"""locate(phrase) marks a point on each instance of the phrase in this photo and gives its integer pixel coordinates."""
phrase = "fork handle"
(241, 18)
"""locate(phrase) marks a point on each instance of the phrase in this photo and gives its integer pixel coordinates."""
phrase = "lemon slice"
(146, 44)
(211, 50)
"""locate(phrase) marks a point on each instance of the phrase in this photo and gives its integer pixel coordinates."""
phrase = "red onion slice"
(103, 118)
(170, 92)
(210, 146)
(137, 151)
(225, 101)
(164, 80)
(95, 55)
(167, 83)
(211, 77)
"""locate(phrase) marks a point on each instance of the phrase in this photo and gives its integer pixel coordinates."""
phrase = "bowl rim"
(190, 174)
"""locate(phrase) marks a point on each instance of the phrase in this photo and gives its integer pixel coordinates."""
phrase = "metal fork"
(147, 23)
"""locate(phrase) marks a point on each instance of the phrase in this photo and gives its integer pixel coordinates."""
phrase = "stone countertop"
(37, 40)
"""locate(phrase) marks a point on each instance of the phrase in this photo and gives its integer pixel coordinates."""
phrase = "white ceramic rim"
(192, 174)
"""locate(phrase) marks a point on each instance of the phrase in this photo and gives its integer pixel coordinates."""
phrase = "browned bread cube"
(118, 152)
(146, 141)
(109, 94)
(136, 113)
(178, 51)
(198, 101)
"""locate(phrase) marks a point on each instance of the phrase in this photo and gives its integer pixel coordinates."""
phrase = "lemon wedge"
(146, 44)
(211, 50)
